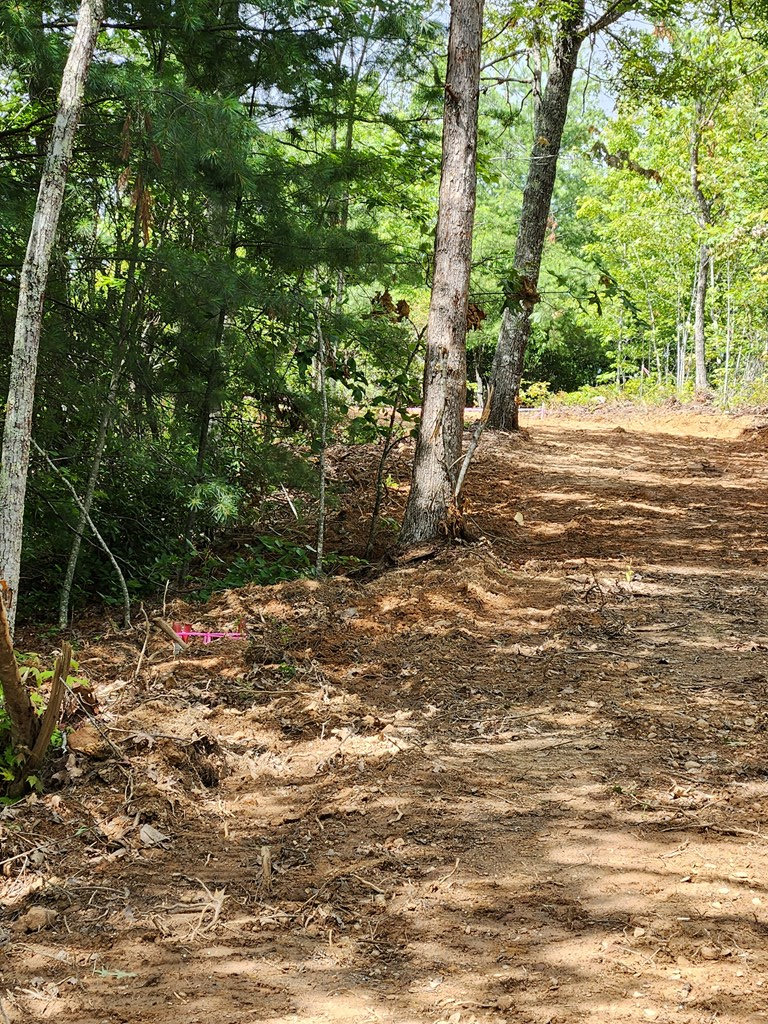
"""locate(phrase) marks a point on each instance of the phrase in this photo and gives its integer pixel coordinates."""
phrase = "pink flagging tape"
(184, 632)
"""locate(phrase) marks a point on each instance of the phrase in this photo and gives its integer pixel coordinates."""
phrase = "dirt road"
(525, 780)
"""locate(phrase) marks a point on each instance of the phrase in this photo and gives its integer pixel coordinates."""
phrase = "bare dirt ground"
(524, 780)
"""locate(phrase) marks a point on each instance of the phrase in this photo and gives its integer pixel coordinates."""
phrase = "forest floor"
(521, 780)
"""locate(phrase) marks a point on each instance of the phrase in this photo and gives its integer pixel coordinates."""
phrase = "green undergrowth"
(35, 677)
(646, 392)
(262, 561)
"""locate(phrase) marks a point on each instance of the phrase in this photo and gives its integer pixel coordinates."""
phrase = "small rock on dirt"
(89, 741)
(35, 920)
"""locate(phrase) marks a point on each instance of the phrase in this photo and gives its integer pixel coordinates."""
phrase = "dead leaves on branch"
(622, 161)
(475, 316)
(520, 290)
(382, 304)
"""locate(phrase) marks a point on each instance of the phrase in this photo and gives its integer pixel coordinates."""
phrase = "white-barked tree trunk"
(17, 431)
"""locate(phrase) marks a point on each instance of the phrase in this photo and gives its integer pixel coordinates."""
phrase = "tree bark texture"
(550, 113)
(17, 432)
(24, 722)
(438, 448)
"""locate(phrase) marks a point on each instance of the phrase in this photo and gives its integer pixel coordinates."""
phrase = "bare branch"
(97, 535)
(504, 56)
(509, 22)
(611, 15)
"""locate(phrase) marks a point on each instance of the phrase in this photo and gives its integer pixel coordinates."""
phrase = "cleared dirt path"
(525, 780)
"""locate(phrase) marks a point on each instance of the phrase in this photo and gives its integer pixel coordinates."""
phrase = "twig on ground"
(708, 826)
(24, 853)
(454, 869)
(119, 754)
(164, 627)
(216, 902)
(140, 662)
(371, 885)
(266, 868)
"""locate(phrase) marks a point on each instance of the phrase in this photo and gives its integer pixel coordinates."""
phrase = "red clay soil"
(522, 780)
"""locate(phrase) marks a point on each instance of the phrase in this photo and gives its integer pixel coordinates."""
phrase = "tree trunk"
(704, 218)
(94, 530)
(322, 462)
(209, 408)
(480, 396)
(16, 698)
(211, 403)
(438, 448)
(550, 113)
(14, 463)
(728, 333)
(699, 331)
(106, 416)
